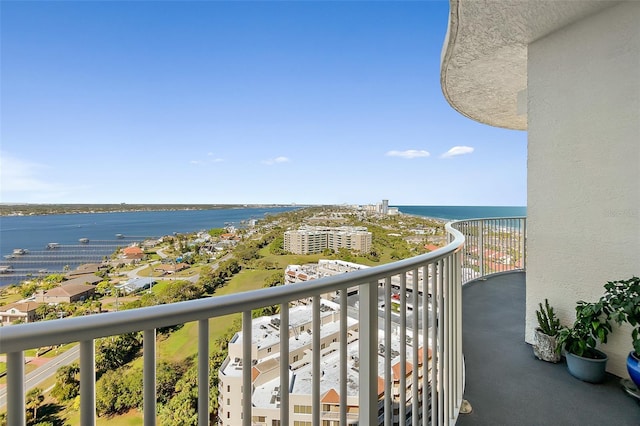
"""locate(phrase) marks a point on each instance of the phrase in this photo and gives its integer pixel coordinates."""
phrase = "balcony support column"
(368, 349)
(15, 388)
(87, 383)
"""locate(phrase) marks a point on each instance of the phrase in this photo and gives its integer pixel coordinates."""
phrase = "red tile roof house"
(133, 252)
(66, 293)
(25, 311)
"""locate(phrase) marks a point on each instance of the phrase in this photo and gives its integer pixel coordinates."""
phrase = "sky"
(211, 102)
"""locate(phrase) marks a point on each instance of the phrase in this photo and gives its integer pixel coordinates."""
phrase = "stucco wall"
(583, 165)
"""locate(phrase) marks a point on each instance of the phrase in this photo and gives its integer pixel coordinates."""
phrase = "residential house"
(24, 311)
(66, 293)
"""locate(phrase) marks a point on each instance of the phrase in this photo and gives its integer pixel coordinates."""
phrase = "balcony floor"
(507, 385)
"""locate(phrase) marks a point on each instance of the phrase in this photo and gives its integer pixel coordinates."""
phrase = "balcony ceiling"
(484, 58)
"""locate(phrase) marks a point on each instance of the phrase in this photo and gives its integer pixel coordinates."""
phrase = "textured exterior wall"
(583, 165)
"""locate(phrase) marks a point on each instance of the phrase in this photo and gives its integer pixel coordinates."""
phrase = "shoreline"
(21, 210)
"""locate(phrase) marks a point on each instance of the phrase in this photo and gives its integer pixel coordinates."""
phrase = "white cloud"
(215, 159)
(276, 160)
(23, 181)
(210, 159)
(17, 175)
(409, 153)
(457, 150)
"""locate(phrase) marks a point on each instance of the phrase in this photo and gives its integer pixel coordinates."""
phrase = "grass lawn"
(10, 296)
(184, 342)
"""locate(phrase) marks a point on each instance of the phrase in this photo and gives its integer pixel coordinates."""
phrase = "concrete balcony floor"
(507, 385)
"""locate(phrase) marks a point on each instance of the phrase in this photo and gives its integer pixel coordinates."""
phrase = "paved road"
(43, 372)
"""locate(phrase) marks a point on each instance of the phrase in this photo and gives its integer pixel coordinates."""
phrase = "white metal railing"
(440, 331)
(492, 245)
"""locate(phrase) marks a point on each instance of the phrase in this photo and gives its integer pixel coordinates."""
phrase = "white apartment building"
(265, 349)
(315, 239)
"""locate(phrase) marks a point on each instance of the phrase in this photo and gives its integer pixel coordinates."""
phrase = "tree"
(34, 399)
(67, 384)
(115, 351)
(274, 280)
(28, 288)
(118, 391)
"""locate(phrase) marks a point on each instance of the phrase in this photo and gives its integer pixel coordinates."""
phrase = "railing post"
(368, 352)
(343, 356)
(284, 363)
(15, 388)
(481, 246)
(149, 377)
(246, 368)
(388, 378)
(87, 383)
(523, 243)
(203, 372)
(315, 365)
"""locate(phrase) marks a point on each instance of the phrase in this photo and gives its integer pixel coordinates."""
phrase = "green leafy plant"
(590, 327)
(623, 298)
(548, 323)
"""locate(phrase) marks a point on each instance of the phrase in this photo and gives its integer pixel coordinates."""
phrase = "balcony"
(507, 385)
(495, 367)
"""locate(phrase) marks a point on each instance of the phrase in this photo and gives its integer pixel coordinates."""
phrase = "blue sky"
(240, 102)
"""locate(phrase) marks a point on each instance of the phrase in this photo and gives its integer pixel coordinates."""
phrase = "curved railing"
(492, 245)
(434, 329)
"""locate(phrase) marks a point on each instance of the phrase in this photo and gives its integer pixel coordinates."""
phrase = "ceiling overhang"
(483, 70)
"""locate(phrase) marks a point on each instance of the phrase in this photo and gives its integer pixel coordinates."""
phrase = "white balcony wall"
(583, 164)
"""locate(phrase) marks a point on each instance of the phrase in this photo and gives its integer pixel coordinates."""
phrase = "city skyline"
(241, 102)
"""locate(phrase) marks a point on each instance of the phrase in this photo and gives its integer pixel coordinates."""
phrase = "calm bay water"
(33, 233)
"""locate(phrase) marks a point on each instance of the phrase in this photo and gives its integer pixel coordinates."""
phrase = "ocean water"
(464, 212)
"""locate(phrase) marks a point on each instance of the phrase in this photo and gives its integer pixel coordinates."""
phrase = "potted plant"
(623, 297)
(544, 346)
(579, 341)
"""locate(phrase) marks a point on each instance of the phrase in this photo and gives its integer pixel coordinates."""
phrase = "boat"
(84, 240)
(20, 251)
(53, 245)
(119, 236)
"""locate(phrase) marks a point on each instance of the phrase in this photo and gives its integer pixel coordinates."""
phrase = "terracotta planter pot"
(544, 347)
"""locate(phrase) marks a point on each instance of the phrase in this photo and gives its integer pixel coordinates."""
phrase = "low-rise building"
(136, 284)
(19, 311)
(170, 268)
(66, 293)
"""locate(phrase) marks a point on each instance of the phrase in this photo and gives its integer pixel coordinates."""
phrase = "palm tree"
(33, 400)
